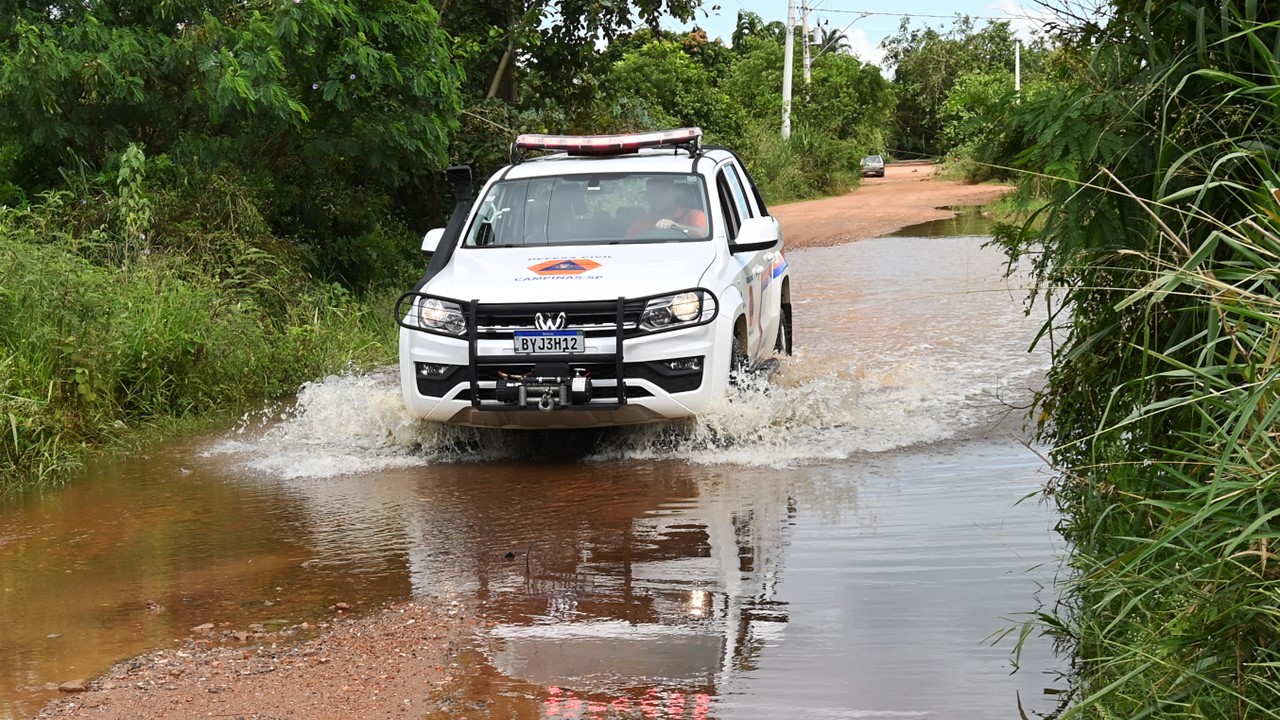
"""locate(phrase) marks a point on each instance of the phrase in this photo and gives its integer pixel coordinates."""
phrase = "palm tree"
(828, 38)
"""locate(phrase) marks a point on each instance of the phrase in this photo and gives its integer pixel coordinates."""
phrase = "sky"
(867, 22)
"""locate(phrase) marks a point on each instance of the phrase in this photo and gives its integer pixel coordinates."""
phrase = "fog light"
(432, 370)
(689, 364)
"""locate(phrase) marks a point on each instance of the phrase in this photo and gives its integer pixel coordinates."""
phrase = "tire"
(738, 361)
(783, 343)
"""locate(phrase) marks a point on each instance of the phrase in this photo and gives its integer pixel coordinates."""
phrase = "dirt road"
(906, 195)
(408, 661)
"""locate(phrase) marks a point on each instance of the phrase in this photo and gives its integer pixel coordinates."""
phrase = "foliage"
(1157, 261)
(755, 80)
(845, 99)
(91, 352)
(712, 55)
(682, 89)
(10, 194)
(926, 66)
(848, 100)
(828, 38)
(808, 164)
(541, 44)
(751, 26)
(336, 105)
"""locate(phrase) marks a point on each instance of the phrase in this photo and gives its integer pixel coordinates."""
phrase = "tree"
(509, 40)
(360, 92)
(926, 65)
(755, 81)
(848, 100)
(663, 74)
(751, 25)
(831, 40)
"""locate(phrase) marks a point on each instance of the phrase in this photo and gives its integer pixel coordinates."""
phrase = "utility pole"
(1017, 71)
(788, 56)
(804, 34)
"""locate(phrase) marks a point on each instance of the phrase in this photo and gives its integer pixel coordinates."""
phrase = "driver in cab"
(669, 209)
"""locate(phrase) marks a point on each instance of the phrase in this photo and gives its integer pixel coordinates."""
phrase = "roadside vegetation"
(1144, 144)
(1156, 261)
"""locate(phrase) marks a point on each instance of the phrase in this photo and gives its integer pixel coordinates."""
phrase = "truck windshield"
(591, 209)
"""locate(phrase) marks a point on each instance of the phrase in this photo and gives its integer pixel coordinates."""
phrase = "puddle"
(841, 544)
(968, 222)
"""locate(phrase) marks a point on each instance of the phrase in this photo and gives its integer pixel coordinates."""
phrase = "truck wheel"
(738, 362)
(783, 344)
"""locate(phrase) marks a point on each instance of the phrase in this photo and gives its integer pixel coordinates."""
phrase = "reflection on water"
(969, 221)
(136, 553)
(841, 543)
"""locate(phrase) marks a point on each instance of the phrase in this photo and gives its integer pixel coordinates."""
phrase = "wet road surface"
(845, 542)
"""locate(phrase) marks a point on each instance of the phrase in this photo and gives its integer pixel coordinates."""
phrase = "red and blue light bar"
(607, 144)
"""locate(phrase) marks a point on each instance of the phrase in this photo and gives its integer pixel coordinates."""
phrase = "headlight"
(686, 306)
(442, 315)
(671, 311)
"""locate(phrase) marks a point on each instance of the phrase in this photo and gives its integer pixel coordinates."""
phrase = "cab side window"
(729, 207)
(736, 186)
(733, 199)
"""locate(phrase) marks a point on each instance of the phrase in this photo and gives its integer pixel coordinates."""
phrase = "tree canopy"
(362, 93)
(926, 66)
(372, 81)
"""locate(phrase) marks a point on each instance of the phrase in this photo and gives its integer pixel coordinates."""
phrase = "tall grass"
(104, 333)
(1176, 608)
(1160, 273)
(808, 164)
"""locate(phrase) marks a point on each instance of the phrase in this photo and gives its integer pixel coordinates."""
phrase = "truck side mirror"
(431, 240)
(756, 234)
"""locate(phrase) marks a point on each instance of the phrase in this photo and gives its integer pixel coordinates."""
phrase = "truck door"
(752, 268)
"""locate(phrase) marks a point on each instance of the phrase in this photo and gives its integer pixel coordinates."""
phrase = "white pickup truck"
(617, 279)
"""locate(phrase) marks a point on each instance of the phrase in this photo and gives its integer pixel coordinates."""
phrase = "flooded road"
(844, 542)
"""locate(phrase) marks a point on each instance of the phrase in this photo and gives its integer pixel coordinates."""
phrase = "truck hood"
(569, 273)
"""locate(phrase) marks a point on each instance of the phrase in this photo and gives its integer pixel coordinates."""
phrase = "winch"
(545, 387)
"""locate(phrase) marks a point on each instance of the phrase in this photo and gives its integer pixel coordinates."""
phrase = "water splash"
(927, 342)
(810, 410)
(343, 425)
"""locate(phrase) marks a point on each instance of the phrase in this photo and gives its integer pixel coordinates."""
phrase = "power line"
(920, 15)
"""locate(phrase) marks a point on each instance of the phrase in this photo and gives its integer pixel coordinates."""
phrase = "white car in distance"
(617, 279)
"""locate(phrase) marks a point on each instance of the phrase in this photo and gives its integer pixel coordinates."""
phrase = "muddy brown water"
(844, 541)
(967, 221)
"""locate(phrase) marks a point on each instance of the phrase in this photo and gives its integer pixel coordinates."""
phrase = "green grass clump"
(1158, 260)
(809, 164)
(104, 334)
(1176, 608)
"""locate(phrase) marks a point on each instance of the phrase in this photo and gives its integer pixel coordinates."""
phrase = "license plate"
(549, 342)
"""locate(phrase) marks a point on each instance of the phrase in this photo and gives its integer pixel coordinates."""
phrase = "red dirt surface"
(399, 663)
(906, 195)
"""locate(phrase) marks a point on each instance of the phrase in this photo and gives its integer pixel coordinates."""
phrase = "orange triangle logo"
(564, 267)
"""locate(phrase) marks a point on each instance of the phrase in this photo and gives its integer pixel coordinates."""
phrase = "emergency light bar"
(607, 144)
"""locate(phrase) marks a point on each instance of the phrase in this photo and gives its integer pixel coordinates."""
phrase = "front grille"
(595, 319)
(490, 394)
(597, 371)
